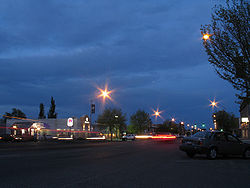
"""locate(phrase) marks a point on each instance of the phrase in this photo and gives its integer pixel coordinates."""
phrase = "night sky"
(149, 51)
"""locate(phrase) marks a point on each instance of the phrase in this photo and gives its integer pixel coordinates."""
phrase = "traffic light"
(92, 108)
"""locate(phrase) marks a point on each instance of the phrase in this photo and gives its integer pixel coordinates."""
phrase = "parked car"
(214, 143)
(24, 137)
(13, 138)
(7, 138)
(128, 137)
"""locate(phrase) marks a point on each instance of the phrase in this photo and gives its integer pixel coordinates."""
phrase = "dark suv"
(214, 143)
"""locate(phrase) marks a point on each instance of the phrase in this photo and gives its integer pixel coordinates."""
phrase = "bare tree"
(227, 43)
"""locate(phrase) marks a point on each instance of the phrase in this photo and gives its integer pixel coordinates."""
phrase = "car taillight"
(200, 143)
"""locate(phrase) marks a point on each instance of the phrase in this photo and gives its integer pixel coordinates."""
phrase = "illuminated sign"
(87, 120)
(70, 122)
(244, 120)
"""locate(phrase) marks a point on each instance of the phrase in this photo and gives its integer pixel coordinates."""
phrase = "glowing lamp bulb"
(104, 93)
(206, 36)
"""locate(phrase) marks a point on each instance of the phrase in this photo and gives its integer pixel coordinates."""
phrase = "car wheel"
(212, 153)
(190, 154)
(246, 154)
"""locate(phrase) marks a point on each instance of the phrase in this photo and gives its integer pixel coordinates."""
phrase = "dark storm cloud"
(66, 47)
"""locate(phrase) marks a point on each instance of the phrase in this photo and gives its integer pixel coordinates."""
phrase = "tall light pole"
(214, 104)
(116, 126)
(105, 94)
(92, 111)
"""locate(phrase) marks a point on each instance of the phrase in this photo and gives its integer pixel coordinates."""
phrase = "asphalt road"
(116, 165)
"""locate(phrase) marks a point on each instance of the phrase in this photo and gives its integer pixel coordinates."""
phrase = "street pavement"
(116, 164)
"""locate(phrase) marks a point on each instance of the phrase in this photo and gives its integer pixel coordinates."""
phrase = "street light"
(206, 36)
(116, 126)
(214, 104)
(105, 93)
(157, 113)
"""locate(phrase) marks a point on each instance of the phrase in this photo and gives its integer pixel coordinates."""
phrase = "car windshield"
(201, 134)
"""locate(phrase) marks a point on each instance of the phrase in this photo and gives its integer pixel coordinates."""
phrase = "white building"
(79, 127)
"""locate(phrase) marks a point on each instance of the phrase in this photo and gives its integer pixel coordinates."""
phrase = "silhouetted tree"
(113, 119)
(41, 113)
(132, 129)
(226, 121)
(228, 45)
(140, 121)
(168, 126)
(15, 113)
(52, 111)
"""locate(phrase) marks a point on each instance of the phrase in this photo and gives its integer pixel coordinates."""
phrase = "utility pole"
(92, 111)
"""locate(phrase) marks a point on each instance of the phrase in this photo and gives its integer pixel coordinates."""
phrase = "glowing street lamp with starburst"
(206, 36)
(213, 104)
(105, 93)
(157, 113)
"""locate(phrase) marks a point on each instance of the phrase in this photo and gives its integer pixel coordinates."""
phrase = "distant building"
(2, 127)
(54, 127)
(244, 118)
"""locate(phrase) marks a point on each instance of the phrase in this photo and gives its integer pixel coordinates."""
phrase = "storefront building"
(42, 128)
(244, 119)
